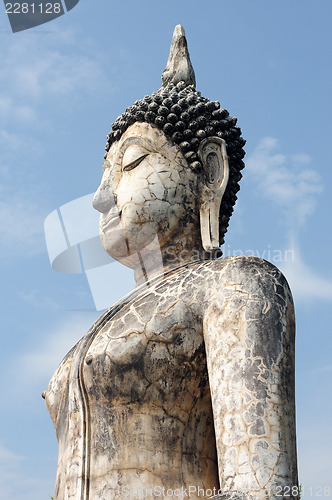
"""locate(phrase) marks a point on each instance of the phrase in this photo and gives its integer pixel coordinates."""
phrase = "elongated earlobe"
(213, 155)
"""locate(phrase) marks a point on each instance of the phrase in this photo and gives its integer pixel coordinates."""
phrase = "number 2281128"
(33, 8)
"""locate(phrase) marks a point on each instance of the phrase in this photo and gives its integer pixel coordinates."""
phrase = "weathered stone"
(179, 67)
(149, 395)
(231, 495)
(189, 380)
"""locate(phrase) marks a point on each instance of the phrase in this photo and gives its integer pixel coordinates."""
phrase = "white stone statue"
(184, 388)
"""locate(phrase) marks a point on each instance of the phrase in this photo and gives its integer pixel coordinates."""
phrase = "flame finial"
(179, 67)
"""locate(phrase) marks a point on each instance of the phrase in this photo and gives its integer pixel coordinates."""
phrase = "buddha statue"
(185, 387)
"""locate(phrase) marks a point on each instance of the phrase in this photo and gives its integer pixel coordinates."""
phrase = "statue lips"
(111, 220)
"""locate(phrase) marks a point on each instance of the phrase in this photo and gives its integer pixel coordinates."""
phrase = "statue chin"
(137, 248)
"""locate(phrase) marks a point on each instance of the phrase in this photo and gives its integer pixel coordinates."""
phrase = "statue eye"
(134, 163)
(133, 157)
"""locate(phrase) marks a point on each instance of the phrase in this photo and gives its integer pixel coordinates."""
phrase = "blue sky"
(61, 87)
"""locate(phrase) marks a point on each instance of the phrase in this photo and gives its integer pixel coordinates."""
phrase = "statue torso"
(141, 367)
(131, 402)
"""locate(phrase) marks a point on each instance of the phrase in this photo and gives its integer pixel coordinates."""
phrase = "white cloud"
(37, 299)
(7, 456)
(21, 226)
(322, 369)
(17, 483)
(304, 282)
(60, 62)
(35, 68)
(41, 362)
(10, 110)
(30, 372)
(314, 455)
(9, 462)
(23, 204)
(292, 186)
(54, 72)
(8, 140)
(41, 73)
(286, 180)
(11, 145)
(24, 378)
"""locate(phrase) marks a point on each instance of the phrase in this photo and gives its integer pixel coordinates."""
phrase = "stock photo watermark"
(182, 492)
(24, 15)
(274, 255)
(162, 492)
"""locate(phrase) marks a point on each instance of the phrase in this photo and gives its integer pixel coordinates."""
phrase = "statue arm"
(249, 336)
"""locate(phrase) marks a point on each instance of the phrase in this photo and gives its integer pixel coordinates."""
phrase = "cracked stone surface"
(148, 203)
(232, 495)
(189, 381)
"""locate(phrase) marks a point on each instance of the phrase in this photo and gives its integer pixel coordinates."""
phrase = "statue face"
(147, 192)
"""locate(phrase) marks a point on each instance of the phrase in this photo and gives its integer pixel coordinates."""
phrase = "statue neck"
(156, 259)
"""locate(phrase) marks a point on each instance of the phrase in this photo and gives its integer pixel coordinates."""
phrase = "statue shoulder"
(249, 274)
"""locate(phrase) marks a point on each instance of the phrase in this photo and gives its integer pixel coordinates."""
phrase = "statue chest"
(150, 351)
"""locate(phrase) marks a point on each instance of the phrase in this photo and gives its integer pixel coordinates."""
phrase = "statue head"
(172, 166)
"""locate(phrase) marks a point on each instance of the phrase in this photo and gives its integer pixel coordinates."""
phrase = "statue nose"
(104, 199)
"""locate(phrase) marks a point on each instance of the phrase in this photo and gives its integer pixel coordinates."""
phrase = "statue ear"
(213, 155)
